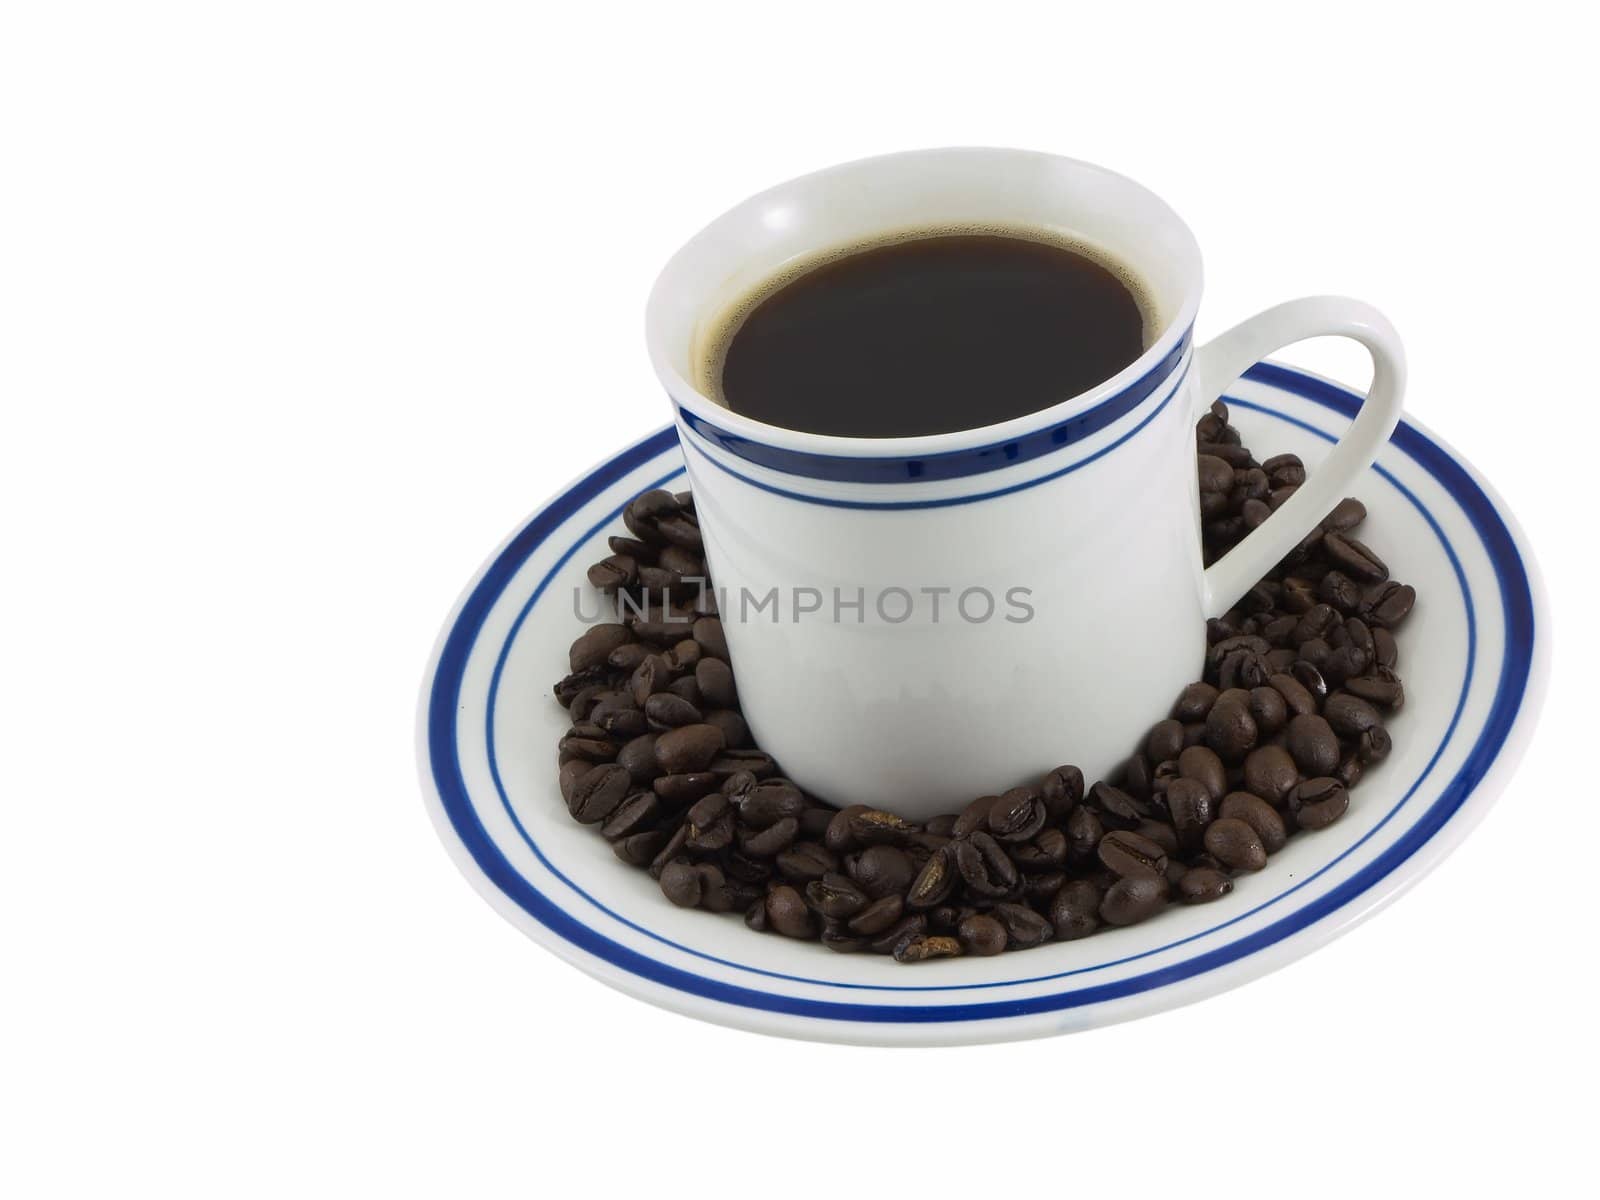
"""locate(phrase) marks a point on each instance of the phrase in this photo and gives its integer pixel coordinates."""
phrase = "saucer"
(1474, 655)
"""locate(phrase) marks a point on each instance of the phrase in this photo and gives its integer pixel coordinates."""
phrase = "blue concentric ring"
(444, 765)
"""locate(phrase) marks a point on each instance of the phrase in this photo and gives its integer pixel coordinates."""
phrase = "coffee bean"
(670, 849)
(840, 837)
(771, 841)
(982, 935)
(934, 882)
(595, 645)
(1384, 690)
(974, 816)
(597, 793)
(1203, 885)
(680, 883)
(682, 789)
(873, 827)
(1164, 741)
(1354, 557)
(1025, 928)
(1117, 809)
(1230, 729)
(1313, 744)
(1235, 844)
(633, 815)
(1191, 806)
(637, 849)
(1062, 789)
(1202, 764)
(883, 913)
(920, 947)
(909, 926)
(1346, 515)
(836, 897)
(1084, 830)
(688, 748)
(787, 913)
(1285, 470)
(1310, 677)
(1295, 695)
(1340, 591)
(1318, 803)
(1270, 710)
(1216, 475)
(1260, 816)
(1129, 853)
(683, 656)
(1374, 745)
(714, 678)
(747, 760)
(1194, 702)
(984, 866)
(1350, 716)
(1133, 898)
(1017, 815)
(771, 801)
(1388, 604)
(1388, 652)
(882, 870)
(665, 711)
(1270, 773)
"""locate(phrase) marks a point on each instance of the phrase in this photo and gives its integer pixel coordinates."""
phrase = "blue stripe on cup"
(954, 464)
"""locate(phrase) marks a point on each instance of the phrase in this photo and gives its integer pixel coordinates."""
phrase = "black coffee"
(927, 336)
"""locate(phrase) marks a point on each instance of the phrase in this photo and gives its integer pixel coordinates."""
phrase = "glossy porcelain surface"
(919, 620)
(1474, 656)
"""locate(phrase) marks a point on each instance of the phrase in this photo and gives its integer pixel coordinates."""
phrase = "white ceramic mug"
(1079, 522)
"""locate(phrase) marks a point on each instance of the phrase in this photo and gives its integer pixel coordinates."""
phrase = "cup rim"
(685, 394)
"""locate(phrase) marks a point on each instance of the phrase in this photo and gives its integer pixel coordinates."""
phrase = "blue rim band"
(954, 464)
(443, 702)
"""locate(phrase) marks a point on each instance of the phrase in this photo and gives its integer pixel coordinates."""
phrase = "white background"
(304, 306)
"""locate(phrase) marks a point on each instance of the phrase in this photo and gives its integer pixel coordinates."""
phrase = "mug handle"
(1225, 358)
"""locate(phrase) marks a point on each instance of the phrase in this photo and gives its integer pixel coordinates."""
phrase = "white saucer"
(1474, 656)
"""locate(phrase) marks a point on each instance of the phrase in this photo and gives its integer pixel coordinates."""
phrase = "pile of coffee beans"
(1299, 678)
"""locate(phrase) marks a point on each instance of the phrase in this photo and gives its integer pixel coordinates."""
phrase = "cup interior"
(985, 189)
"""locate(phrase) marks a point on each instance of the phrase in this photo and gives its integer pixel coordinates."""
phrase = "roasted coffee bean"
(617, 571)
(974, 816)
(1346, 515)
(1269, 709)
(839, 837)
(771, 801)
(1133, 898)
(1075, 911)
(649, 677)
(710, 823)
(626, 659)
(883, 913)
(942, 825)
(921, 946)
(874, 827)
(637, 849)
(1203, 885)
(688, 748)
(1270, 773)
(680, 883)
(1046, 852)
(682, 789)
(787, 913)
(571, 771)
(1194, 702)
(1138, 775)
(1202, 764)
(595, 645)
(1017, 815)
(1259, 815)
(1235, 844)
(683, 656)
(882, 870)
(806, 861)
(597, 793)
(735, 733)
(1318, 803)
(1280, 631)
(644, 511)
(1117, 809)
(836, 897)
(1285, 470)
(619, 718)
(1025, 928)
(714, 678)
(588, 743)
(1388, 653)
(680, 529)
(1313, 744)
(1350, 770)
(1340, 591)
(1374, 745)
(1353, 557)
(635, 814)
(667, 631)
(909, 926)
(981, 934)
(934, 882)
(984, 866)
(1350, 715)
(686, 688)
(1255, 512)
(1216, 476)
(1084, 831)
(1310, 678)
(1164, 741)
(670, 849)
(1315, 624)
(632, 547)
(1230, 729)
(1191, 806)
(745, 869)
(666, 711)
(1129, 853)
(1040, 887)
(755, 917)
(1295, 694)
(771, 841)
(1384, 690)
(839, 940)
(708, 632)
(1388, 604)
(747, 760)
